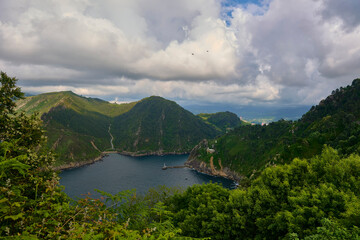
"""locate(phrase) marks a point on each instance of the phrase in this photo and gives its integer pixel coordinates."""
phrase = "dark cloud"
(279, 51)
(346, 10)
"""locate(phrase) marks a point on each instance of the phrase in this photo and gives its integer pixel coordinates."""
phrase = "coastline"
(103, 154)
(78, 164)
(191, 162)
(157, 153)
(201, 167)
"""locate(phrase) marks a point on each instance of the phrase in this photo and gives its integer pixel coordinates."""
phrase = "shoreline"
(136, 154)
(209, 168)
(212, 175)
(201, 167)
(194, 165)
(78, 164)
(105, 153)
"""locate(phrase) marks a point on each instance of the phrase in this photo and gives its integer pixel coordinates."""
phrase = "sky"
(241, 52)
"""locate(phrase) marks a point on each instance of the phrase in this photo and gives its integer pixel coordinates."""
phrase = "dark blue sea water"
(118, 172)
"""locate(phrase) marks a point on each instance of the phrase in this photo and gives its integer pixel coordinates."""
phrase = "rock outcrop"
(200, 166)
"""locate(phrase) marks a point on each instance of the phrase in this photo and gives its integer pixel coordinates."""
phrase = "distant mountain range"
(247, 150)
(251, 113)
(222, 121)
(80, 129)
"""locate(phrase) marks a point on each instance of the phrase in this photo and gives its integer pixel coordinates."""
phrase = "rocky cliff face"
(209, 168)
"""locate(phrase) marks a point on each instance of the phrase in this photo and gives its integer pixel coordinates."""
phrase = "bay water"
(117, 172)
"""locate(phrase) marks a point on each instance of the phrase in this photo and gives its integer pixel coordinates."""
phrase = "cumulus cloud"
(295, 47)
(115, 38)
(280, 51)
(347, 12)
(261, 91)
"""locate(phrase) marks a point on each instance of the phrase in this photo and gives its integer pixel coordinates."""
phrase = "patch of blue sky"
(232, 3)
(228, 7)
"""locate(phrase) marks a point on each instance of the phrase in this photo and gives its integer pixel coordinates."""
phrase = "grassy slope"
(157, 124)
(77, 127)
(74, 124)
(335, 122)
(42, 103)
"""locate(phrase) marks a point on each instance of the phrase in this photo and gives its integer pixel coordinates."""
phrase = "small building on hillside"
(210, 150)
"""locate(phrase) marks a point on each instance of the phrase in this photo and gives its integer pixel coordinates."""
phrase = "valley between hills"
(81, 130)
(297, 179)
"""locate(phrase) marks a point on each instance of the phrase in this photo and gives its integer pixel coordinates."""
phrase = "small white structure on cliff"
(210, 150)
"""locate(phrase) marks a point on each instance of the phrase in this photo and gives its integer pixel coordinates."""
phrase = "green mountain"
(76, 127)
(42, 103)
(249, 149)
(80, 129)
(317, 198)
(156, 126)
(222, 121)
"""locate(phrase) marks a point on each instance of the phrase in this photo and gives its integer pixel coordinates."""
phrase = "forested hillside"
(157, 125)
(76, 127)
(222, 121)
(79, 129)
(315, 198)
(249, 149)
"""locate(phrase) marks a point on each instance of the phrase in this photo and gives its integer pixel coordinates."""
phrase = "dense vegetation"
(158, 125)
(74, 136)
(32, 204)
(79, 128)
(318, 198)
(222, 121)
(335, 122)
(76, 127)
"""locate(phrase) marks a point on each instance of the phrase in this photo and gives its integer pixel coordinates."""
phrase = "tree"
(26, 130)
(9, 92)
(285, 202)
(29, 189)
(33, 205)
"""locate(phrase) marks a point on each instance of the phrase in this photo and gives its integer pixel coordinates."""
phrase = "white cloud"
(114, 38)
(262, 91)
(283, 51)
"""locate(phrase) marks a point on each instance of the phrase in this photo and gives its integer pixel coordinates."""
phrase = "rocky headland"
(209, 168)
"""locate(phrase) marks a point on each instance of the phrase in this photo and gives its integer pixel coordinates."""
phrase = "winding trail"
(112, 138)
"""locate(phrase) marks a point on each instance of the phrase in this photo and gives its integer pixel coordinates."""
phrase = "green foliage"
(332, 230)
(29, 192)
(73, 135)
(33, 206)
(284, 200)
(223, 121)
(15, 125)
(249, 149)
(42, 103)
(76, 127)
(334, 122)
(8, 94)
(158, 125)
(200, 211)
(316, 198)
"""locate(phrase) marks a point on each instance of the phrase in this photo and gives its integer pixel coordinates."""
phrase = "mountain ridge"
(247, 150)
(176, 129)
(77, 127)
(44, 102)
